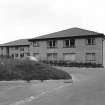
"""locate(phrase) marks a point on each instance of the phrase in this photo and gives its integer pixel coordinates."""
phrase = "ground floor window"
(51, 56)
(12, 55)
(16, 55)
(90, 57)
(28, 54)
(22, 55)
(69, 56)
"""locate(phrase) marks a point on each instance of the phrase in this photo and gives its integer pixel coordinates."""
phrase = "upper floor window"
(16, 48)
(90, 41)
(22, 49)
(52, 44)
(69, 43)
(36, 44)
(1, 48)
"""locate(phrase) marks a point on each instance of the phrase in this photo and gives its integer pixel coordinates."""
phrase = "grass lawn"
(29, 70)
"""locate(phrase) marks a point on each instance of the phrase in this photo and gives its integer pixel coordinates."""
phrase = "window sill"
(90, 44)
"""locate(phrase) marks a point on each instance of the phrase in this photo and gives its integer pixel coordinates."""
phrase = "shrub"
(72, 64)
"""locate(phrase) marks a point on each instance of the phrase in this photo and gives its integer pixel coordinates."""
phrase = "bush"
(72, 64)
(29, 70)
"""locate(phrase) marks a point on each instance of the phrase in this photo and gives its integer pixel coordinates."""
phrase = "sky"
(21, 19)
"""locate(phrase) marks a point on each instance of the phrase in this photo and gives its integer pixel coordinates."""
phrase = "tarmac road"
(89, 91)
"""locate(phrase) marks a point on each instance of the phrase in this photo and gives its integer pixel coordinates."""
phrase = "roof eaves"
(12, 45)
(79, 36)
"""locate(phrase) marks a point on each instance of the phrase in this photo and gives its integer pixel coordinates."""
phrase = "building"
(73, 45)
(15, 49)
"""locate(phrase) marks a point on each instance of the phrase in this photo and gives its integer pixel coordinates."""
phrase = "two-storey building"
(15, 49)
(73, 45)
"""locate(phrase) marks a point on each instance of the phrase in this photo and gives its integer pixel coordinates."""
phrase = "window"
(28, 54)
(72, 43)
(52, 56)
(16, 48)
(21, 48)
(16, 55)
(36, 44)
(90, 41)
(1, 48)
(69, 43)
(12, 55)
(52, 44)
(90, 57)
(22, 55)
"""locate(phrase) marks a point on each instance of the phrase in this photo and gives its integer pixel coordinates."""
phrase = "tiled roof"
(72, 32)
(21, 42)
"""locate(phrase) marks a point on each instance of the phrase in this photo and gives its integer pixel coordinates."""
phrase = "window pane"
(72, 43)
(67, 43)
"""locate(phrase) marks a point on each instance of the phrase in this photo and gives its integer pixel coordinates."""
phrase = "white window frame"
(35, 44)
(92, 41)
(53, 44)
(69, 42)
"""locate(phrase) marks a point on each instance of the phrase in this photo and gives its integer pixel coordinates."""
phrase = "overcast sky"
(30, 18)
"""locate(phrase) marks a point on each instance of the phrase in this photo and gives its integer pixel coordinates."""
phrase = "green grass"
(29, 70)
